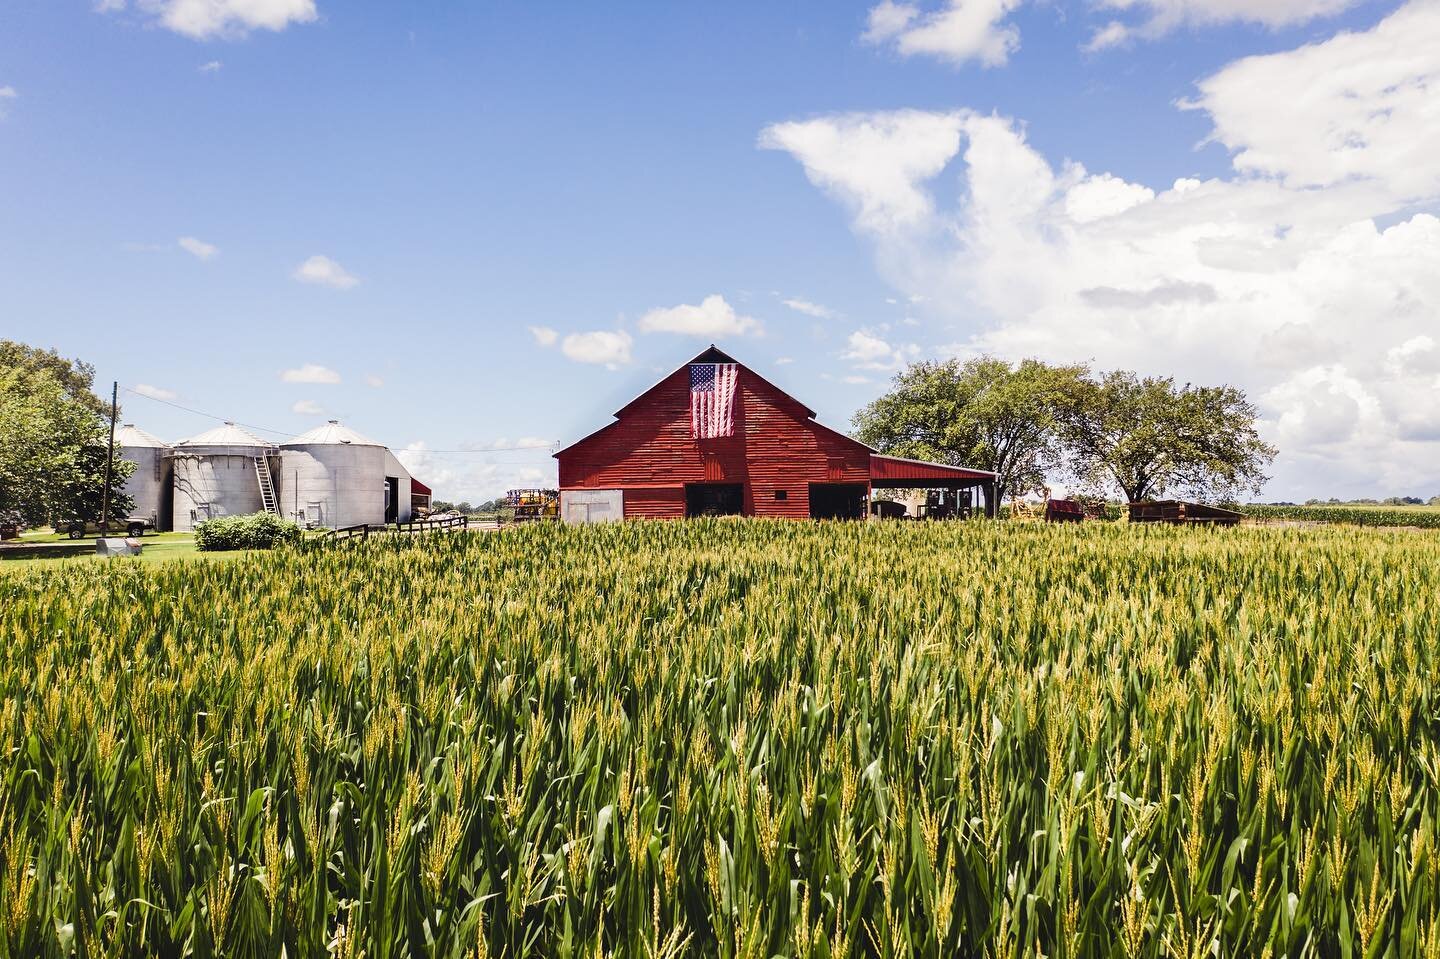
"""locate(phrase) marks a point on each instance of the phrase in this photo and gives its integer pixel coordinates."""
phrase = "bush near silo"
(255, 531)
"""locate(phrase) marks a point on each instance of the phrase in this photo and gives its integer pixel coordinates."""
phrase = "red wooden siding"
(649, 452)
(658, 502)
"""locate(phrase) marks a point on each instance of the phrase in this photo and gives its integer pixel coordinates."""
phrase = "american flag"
(712, 399)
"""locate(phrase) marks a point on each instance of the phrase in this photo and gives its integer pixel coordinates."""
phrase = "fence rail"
(408, 528)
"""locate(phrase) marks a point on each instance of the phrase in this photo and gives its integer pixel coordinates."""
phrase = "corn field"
(1422, 517)
(734, 739)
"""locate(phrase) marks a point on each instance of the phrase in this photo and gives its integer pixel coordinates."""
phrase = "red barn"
(778, 461)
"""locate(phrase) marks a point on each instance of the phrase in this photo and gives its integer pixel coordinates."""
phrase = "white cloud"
(1306, 277)
(155, 392)
(783, 360)
(1165, 15)
(1360, 106)
(307, 408)
(610, 348)
(457, 478)
(310, 373)
(205, 19)
(713, 317)
(959, 31)
(1113, 34)
(212, 66)
(875, 162)
(544, 335)
(810, 309)
(373, 381)
(197, 248)
(7, 94)
(867, 351)
(503, 443)
(854, 379)
(326, 272)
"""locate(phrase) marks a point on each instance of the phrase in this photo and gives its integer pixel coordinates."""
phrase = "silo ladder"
(267, 485)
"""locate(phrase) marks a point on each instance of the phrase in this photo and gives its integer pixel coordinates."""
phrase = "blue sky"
(493, 223)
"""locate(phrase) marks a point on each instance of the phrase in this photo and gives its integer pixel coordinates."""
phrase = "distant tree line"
(54, 440)
(1387, 501)
(468, 509)
(1114, 432)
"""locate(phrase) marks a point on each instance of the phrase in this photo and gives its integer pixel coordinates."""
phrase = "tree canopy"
(983, 413)
(1144, 437)
(1149, 437)
(54, 439)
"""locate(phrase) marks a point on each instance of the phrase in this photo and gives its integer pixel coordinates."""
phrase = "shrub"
(256, 531)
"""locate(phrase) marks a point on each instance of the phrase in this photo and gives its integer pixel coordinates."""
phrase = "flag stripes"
(712, 399)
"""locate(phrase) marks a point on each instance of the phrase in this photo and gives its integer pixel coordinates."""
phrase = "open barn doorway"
(837, 500)
(714, 499)
(392, 499)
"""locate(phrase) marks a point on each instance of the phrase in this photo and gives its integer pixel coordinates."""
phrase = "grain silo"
(333, 476)
(227, 471)
(150, 484)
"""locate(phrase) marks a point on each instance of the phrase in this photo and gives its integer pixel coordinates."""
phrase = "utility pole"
(109, 458)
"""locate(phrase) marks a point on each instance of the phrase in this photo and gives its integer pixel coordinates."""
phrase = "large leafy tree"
(1149, 437)
(983, 412)
(54, 439)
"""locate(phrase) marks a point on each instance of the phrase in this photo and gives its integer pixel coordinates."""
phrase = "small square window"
(782, 494)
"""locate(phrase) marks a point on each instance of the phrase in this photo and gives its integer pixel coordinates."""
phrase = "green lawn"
(47, 535)
(159, 548)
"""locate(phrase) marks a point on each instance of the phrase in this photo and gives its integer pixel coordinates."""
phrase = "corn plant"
(731, 739)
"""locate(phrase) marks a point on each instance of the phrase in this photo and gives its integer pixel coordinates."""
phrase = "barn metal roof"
(130, 436)
(896, 471)
(331, 433)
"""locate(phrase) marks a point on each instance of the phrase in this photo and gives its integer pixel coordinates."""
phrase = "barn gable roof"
(711, 354)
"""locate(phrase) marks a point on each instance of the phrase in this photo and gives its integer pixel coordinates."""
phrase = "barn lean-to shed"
(772, 458)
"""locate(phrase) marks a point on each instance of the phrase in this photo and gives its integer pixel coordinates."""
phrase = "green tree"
(54, 436)
(983, 413)
(1148, 437)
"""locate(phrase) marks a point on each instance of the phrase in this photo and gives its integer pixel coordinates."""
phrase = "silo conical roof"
(130, 436)
(331, 433)
(227, 434)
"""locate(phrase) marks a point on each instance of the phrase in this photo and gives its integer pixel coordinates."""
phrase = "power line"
(550, 448)
(223, 419)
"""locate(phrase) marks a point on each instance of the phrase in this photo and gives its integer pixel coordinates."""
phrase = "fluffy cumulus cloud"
(877, 163)
(207, 19)
(310, 373)
(477, 479)
(1360, 106)
(712, 317)
(866, 350)
(958, 31)
(543, 335)
(1310, 276)
(197, 248)
(307, 408)
(608, 348)
(323, 271)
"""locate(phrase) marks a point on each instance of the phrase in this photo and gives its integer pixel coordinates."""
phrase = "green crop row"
(1355, 515)
(736, 739)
